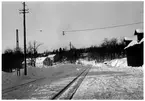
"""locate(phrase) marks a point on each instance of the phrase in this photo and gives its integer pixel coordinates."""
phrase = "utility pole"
(17, 40)
(70, 45)
(24, 11)
(63, 33)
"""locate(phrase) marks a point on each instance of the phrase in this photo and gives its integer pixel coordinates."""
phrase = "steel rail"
(56, 96)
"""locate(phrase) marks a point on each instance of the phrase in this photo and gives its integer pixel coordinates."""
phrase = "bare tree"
(32, 51)
(8, 51)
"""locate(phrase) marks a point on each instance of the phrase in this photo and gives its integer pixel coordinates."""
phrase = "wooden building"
(45, 61)
(134, 49)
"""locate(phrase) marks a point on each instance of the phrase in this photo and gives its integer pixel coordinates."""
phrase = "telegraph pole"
(24, 11)
(70, 45)
(17, 40)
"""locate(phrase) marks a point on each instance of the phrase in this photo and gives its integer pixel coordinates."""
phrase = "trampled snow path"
(107, 82)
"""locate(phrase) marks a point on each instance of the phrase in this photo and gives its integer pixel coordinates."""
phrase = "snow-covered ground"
(117, 62)
(109, 80)
(114, 63)
(11, 79)
(112, 80)
(56, 77)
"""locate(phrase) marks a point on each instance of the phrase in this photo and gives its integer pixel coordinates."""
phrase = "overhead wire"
(104, 27)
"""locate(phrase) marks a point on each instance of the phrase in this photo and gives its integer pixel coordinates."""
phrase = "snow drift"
(117, 62)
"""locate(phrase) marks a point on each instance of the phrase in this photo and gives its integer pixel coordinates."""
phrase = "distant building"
(45, 61)
(41, 61)
(134, 49)
(51, 57)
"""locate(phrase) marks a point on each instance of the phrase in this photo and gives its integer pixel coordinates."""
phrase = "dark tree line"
(67, 55)
(108, 50)
(12, 59)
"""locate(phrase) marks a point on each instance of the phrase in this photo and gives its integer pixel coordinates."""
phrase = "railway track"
(66, 92)
(17, 87)
(69, 90)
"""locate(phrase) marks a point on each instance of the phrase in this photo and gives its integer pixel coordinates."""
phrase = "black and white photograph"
(72, 50)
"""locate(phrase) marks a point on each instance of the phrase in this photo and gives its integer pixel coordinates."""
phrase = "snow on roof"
(130, 38)
(40, 59)
(51, 56)
(137, 31)
(132, 43)
(142, 40)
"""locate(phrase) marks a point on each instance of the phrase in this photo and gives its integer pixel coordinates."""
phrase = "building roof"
(130, 38)
(142, 40)
(40, 59)
(132, 43)
(133, 39)
(138, 31)
(51, 56)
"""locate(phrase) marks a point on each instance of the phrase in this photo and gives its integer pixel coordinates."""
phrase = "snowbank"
(117, 62)
(114, 63)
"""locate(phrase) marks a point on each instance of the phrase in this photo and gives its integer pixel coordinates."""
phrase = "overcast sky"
(54, 17)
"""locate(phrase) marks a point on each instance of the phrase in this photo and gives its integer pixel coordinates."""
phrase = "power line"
(104, 27)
